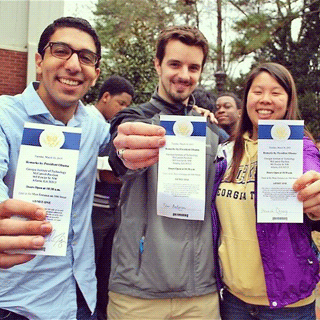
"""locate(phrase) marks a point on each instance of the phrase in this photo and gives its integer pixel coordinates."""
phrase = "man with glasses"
(63, 51)
(51, 287)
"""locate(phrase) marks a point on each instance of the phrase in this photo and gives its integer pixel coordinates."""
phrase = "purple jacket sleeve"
(311, 156)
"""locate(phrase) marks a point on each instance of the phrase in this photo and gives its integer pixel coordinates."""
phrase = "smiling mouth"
(222, 120)
(264, 112)
(181, 83)
(69, 82)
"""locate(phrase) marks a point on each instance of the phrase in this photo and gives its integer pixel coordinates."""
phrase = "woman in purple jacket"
(267, 270)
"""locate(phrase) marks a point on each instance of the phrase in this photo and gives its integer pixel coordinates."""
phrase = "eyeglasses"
(63, 51)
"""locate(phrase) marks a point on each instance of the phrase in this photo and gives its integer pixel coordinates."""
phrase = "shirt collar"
(34, 106)
(98, 112)
(32, 102)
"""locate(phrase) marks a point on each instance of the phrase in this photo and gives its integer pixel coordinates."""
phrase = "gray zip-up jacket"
(155, 256)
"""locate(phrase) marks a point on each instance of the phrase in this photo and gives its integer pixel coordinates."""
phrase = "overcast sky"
(80, 8)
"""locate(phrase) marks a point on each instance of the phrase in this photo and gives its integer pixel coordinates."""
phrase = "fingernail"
(161, 131)
(162, 142)
(296, 187)
(40, 213)
(38, 241)
(46, 227)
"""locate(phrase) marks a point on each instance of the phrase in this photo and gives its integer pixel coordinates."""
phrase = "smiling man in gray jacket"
(162, 268)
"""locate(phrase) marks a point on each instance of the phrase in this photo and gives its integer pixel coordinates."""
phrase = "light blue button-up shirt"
(45, 287)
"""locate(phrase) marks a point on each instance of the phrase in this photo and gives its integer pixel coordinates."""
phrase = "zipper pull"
(141, 245)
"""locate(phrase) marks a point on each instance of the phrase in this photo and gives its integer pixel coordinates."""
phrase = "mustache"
(181, 81)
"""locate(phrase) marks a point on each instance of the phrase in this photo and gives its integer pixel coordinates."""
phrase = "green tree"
(133, 59)
(114, 18)
(267, 29)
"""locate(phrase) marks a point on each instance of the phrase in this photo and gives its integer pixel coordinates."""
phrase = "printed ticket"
(280, 163)
(46, 175)
(182, 168)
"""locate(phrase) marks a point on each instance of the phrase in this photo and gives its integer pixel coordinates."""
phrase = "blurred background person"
(228, 112)
(115, 94)
(206, 100)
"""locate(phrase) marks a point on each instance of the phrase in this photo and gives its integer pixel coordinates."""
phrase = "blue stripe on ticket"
(67, 140)
(31, 137)
(72, 141)
(190, 128)
(293, 132)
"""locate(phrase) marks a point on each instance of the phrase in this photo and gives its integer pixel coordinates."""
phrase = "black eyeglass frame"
(72, 51)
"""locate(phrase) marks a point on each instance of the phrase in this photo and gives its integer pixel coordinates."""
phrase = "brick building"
(13, 71)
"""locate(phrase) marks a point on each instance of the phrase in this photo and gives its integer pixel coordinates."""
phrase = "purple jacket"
(290, 264)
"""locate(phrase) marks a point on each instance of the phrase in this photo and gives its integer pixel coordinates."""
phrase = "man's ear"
(105, 96)
(96, 78)
(239, 112)
(157, 65)
(38, 60)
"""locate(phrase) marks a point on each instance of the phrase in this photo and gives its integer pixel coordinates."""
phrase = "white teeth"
(69, 82)
(264, 111)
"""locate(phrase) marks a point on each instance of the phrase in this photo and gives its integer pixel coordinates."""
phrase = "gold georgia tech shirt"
(239, 248)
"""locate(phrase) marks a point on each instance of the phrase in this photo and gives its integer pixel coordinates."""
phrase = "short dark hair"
(232, 95)
(204, 98)
(116, 85)
(69, 22)
(188, 35)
